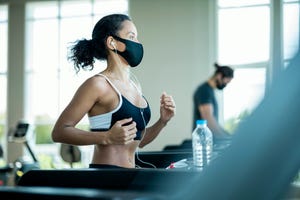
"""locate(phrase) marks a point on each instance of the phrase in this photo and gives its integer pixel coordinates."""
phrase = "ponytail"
(82, 55)
(216, 65)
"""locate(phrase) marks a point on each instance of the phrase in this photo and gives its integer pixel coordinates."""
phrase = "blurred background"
(182, 39)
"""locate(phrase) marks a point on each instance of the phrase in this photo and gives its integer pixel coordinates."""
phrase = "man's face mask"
(133, 52)
(220, 85)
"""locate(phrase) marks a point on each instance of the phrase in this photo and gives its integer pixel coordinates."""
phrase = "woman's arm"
(167, 111)
(86, 96)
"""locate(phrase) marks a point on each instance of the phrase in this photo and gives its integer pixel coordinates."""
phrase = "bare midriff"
(119, 155)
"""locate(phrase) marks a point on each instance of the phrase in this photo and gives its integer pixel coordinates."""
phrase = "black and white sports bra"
(125, 109)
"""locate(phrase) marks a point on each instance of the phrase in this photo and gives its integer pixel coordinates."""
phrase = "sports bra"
(125, 109)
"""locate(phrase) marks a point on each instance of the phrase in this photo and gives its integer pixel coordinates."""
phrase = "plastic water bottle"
(202, 141)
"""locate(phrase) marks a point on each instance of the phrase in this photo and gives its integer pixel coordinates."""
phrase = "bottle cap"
(201, 121)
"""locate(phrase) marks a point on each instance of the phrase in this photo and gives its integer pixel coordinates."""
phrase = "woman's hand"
(167, 107)
(122, 132)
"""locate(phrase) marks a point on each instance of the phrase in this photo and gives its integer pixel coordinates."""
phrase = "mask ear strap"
(121, 39)
(118, 38)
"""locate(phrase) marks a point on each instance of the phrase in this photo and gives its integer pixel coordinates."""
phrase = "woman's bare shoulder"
(94, 87)
(96, 82)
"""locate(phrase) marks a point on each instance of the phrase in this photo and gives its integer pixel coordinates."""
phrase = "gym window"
(244, 41)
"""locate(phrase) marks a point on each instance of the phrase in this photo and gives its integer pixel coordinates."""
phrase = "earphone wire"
(137, 151)
(136, 83)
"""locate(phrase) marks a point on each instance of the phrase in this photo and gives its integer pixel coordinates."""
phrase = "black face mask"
(133, 53)
(220, 85)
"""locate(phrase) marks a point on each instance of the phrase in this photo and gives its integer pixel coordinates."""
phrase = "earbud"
(113, 44)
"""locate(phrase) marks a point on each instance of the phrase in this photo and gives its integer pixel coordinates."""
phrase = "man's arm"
(206, 111)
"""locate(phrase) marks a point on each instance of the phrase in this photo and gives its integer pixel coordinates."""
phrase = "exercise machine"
(21, 165)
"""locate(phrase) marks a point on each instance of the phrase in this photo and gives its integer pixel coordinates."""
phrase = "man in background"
(205, 103)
